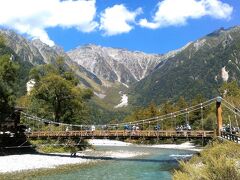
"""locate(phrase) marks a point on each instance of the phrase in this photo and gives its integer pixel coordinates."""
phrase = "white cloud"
(32, 17)
(177, 12)
(118, 19)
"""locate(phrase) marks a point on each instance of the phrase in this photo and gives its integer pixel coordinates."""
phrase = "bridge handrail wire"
(171, 115)
(42, 119)
(229, 108)
(134, 122)
(236, 109)
(162, 119)
(154, 119)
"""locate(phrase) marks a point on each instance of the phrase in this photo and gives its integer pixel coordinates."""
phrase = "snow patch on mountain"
(100, 95)
(124, 101)
(125, 85)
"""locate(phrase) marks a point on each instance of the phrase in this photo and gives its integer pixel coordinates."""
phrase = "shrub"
(219, 161)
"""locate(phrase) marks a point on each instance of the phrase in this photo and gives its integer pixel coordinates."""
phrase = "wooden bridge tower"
(219, 115)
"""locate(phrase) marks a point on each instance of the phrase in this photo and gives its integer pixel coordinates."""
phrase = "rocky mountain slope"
(199, 68)
(35, 52)
(115, 65)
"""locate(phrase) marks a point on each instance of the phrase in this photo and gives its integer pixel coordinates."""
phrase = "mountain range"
(199, 67)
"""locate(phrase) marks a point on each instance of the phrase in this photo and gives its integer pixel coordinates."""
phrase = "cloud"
(33, 17)
(177, 12)
(117, 20)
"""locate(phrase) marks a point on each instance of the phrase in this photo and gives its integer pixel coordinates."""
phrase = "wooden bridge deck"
(99, 134)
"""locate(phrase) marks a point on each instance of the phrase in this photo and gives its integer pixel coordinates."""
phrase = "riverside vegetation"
(219, 161)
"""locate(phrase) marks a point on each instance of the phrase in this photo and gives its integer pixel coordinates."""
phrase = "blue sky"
(151, 26)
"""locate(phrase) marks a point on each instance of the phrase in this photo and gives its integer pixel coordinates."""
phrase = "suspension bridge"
(145, 128)
(148, 129)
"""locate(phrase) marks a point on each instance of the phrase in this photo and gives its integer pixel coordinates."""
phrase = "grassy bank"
(219, 161)
(60, 145)
(40, 173)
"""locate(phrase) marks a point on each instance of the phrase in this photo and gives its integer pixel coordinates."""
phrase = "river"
(150, 164)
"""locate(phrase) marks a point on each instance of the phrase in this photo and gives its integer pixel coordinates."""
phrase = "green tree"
(230, 89)
(56, 94)
(40, 71)
(181, 105)
(152, 110)
(2, 41)
(8, 72)
(167, 108)
(195, 117)
(230, 92)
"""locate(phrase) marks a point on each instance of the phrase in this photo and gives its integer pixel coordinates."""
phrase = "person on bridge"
(157, 127)
(189, 127)
(93, 129)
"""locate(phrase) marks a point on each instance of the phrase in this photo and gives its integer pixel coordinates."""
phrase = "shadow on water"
(118, 159)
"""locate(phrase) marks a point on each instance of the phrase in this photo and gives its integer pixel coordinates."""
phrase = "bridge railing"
(121, 133)
(230, 136)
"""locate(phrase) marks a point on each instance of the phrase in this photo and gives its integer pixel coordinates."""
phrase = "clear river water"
(151, 164)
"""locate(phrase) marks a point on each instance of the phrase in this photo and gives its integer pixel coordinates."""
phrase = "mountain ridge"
(200, 68)
(113, 64)
(160, 76)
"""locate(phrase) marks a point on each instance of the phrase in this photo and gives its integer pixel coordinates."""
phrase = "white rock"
(225, 74)
(34, 161)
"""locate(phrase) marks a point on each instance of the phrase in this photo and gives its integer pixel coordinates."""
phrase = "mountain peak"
(114, 64)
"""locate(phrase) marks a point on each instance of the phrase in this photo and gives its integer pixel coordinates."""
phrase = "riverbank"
(184, 146)
(23, 162)
(18, 163)
(39, 165)
(13, 163)
(33, 162)
(219, 160)
(109, 162)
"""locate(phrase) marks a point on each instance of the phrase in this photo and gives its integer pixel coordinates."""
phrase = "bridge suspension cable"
(170, 115)
(231, 105)
(150, 120)
(231, 109)
(161, 118)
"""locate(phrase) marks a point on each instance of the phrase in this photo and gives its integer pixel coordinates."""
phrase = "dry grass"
(219, 161)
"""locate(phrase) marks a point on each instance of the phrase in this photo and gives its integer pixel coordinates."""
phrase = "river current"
(150, 164)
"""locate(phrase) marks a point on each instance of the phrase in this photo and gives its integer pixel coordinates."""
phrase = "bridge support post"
(219, 115)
